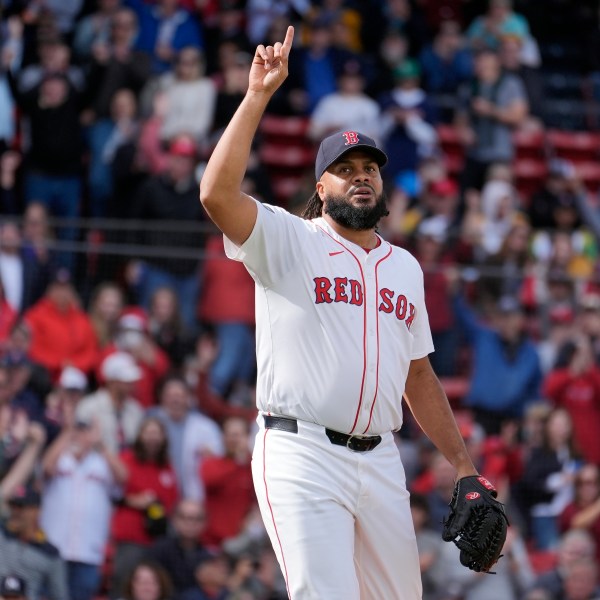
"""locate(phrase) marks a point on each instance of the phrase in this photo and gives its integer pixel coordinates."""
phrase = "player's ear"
(320, 190)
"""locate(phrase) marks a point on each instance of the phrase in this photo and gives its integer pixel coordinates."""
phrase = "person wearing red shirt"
(584, 511)
(150, 491)
(62, 333)
(227, 305)
(132, 336)
(576, 388)
(8, 317)
(228, 484)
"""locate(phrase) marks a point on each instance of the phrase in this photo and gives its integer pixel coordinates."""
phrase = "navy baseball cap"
(336, 145)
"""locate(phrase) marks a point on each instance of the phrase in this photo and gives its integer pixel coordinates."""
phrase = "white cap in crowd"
(72, 378)
(120, 366)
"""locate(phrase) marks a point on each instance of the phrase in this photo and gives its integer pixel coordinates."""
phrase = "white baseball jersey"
(337, 326)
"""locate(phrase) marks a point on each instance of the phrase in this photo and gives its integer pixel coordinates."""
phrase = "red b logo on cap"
(351, 137)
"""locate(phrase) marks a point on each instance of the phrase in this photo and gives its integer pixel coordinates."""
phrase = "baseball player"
(342, 333)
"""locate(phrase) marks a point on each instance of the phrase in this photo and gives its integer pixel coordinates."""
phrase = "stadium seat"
(576, 146)
(589, 173)
(285, 186)
(288, 156)
(542, 560)
(529, 176)
(293, 129)
(530, 143)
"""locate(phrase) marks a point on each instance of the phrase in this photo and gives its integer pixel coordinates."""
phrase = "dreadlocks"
(314, 207)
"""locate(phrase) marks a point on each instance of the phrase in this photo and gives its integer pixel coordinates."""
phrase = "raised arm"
(234, 212)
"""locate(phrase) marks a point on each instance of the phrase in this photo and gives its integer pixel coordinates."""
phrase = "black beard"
(358, 218)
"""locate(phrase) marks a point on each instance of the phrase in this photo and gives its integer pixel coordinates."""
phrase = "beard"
(357, 218)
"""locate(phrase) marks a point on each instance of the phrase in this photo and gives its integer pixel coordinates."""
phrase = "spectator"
(574, 545)
(492, 105)
(192, 436)
(13, 587)
(406, 17)
(25, 551)
(231, 318)
(23, 277)
(54, 58)
(190, 97)
(105, 137)
(314, 71)
(211, 575)
(53, 174)
(429, 542)
(431, 239)
(346, 108)
(558, 329)
(61, 403)
(149, 496)
(446, 62)
(231, 91)
(261, 14)
(392, 52)
(240, 401)
(20, 449)
(171, 197)
(576, 388)
(486, 31)
(106, 306)
(180, 551)
(408, 122)
(80, 477)
(118, 415)
(61, 332)
(148, 581)
(10, 162)
(584, 511)
(132, 337)
(115, 65)
(38, 238)
(164, 29)
(511, 57)
(561, 187)
(581, 582)
(8, 315)
(94, 28)
(228, 484)
(166, 328)
(506, 373)
(546, 486)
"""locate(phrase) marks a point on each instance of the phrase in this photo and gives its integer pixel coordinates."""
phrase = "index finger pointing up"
(287, 43)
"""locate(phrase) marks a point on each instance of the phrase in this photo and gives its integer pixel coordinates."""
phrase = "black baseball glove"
(477, 523)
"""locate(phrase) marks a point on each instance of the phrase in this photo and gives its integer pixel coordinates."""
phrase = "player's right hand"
(270, 65)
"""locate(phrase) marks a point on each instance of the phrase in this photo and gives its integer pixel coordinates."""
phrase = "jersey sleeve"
(422, 340)
(273, 248)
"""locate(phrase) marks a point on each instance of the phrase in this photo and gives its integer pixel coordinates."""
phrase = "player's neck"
(366, 239)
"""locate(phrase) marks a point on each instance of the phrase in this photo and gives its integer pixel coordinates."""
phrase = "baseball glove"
(477, 523)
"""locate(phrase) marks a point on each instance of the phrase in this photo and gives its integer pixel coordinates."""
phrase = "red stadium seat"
(530, 144)
(576, 146)
(274, 127)
(529, 176)
(589, 173)
(285, 186)
(286, 156)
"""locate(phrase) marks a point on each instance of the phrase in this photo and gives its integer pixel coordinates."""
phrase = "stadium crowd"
(126, 338)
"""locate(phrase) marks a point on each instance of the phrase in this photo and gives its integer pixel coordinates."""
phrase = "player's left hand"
(270, 65)
(477, 523)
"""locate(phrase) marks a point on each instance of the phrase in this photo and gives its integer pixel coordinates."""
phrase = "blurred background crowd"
(127, 363)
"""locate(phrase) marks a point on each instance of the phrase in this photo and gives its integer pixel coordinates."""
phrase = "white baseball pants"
(339, 520)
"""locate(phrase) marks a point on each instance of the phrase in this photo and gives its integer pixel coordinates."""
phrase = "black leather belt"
(357, 443)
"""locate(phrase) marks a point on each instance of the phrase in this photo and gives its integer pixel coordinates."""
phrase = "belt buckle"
(349, 441)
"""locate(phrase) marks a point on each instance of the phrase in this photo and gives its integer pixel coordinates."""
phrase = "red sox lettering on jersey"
(349, 291)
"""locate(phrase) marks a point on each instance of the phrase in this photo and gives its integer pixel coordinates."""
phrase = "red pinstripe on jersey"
(377, 324)
(272, 515)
